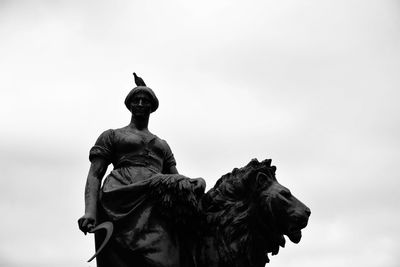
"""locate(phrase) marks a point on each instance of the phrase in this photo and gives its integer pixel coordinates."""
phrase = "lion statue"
(236, 223)
(247, 214)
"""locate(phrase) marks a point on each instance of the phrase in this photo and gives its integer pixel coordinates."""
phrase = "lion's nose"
(308, 212)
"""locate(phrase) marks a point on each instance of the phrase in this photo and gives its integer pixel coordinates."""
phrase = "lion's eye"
(286, 194)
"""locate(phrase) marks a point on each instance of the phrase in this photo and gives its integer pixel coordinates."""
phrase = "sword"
(109, 227)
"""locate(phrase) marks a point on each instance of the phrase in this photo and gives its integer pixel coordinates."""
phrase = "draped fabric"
(144, 204)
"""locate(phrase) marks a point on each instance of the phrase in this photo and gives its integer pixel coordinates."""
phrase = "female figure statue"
(134, 194)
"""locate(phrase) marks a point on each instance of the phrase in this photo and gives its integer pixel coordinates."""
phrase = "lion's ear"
(257, 180)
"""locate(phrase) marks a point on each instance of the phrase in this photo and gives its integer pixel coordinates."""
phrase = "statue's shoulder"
(162, 141)
(159, 139)
(118, 131)
(107, 134)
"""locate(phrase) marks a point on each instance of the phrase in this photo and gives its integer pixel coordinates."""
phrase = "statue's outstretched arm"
(199, 183)
(97, 170)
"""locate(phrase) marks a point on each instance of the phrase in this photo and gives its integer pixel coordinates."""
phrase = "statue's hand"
(199, 186)
(87, 222)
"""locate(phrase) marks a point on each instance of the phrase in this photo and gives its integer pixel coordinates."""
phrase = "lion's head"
(288, 214)
(252, 212)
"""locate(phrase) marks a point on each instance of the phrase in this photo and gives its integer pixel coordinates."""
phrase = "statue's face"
(141, 104)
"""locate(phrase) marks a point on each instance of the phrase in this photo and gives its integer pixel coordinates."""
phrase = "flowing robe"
(149, 208)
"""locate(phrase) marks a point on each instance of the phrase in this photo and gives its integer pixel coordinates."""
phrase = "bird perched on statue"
(139, 81)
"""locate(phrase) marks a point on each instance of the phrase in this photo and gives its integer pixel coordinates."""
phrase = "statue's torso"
(126, 148)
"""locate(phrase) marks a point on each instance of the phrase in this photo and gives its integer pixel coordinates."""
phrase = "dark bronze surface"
(162, 218)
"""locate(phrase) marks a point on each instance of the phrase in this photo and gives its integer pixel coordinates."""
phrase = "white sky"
(314, 85)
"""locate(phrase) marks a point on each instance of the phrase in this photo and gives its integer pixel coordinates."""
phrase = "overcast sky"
(314, 85)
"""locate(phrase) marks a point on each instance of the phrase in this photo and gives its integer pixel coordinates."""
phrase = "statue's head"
(142, 90)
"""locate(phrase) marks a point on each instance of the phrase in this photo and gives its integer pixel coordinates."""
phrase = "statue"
(155, 216)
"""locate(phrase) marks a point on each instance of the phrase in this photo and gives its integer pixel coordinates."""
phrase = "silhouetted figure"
(157, 217)
(144, 197)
